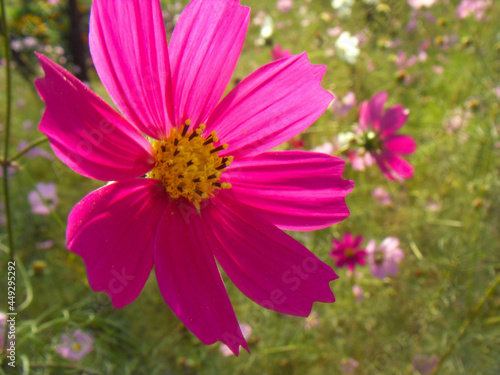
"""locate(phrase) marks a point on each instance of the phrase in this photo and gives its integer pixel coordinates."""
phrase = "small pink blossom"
(433, 206)
(496, 90)
(35, 151)
(348, 366)
(384, 258)
(284, 6)
(342, 106)
(423, 364)
(477, 8)
(75, 346)
(297, 143)
(377, 130)
(44, 245)
(325, 148)
(278, 53)
(311, 321)
(382, 196)
(437, 69)
(348, 251)
(334, 31)
(48, 192)
(358, 293)
(458, 120)
(360, 160)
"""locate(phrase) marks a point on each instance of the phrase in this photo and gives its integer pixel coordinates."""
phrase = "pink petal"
(400, 144)
(113, 230)
(86, 133)
(129, 49)
(270, 106)
(364, 116)
(204, 48)
(294, 190)
(267, 265)
(189, 279)
(400, 166)
(393, 119)
(376, 106)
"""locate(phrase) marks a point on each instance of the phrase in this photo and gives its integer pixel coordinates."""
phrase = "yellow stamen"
(188, 164)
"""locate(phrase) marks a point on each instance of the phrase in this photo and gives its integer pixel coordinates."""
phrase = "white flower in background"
(345, 138)
(347, 47)
(343, 7)
(267, 29)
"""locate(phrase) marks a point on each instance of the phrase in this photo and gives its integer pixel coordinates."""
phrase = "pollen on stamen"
(188, 163)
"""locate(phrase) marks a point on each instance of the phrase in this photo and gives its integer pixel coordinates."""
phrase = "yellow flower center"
(349, 253)
(76, 346)
(188, 164)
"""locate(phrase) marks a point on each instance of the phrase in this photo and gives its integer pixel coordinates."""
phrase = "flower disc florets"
(188, 164)
(371, 141)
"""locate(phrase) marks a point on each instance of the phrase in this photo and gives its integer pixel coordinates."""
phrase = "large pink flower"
(201, 200)
(378, 136)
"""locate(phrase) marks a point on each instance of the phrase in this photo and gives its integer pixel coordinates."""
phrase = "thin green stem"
(467, 323)
(5, 166)
(27, 148)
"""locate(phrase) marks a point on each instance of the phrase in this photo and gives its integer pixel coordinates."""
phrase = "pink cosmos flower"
(278, 53)
(384, 258)
(382, 196)
(348, 366)
(423, 364)
(358, 293)
(377, 132)
(343, 106)
(477, 8)
(360, 159)
(75, 346)
(284, 6)
(348, 251)
(206, 188)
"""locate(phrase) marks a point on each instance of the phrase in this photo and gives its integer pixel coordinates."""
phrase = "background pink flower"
(278, 53)
(423, 364)
(348, 251)
(378, 133)
(384, 258)
(342, 106)
(477, 8)
(47, 191)
(75, 346)
(382, 196)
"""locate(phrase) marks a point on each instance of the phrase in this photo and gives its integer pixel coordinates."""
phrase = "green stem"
(27, 148)
(467, 323)
(6, 140)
